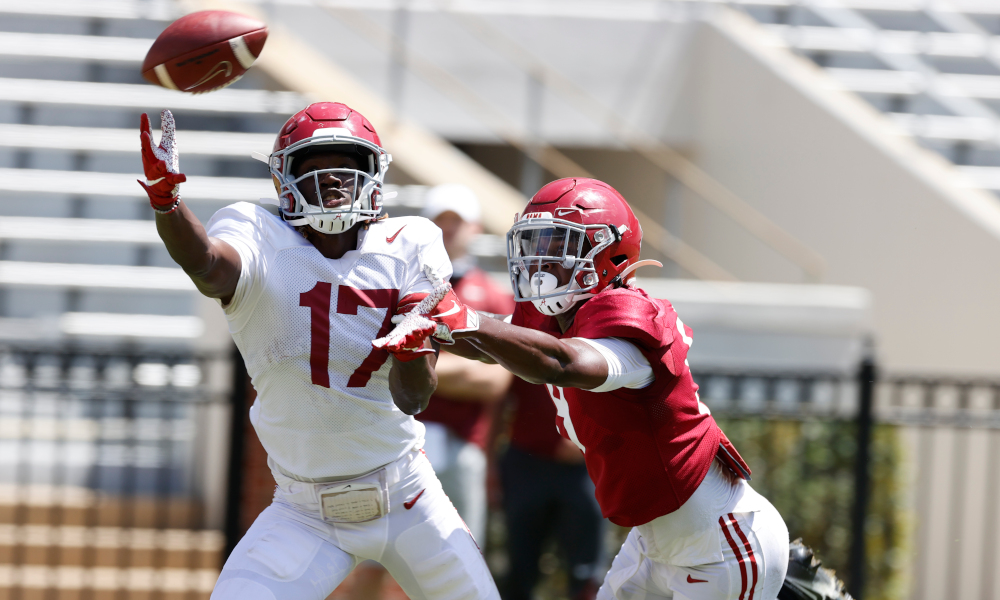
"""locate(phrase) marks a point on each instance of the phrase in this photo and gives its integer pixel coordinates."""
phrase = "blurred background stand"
(849, 145)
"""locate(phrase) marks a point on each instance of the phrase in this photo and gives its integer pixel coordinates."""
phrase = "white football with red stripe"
(204, 51)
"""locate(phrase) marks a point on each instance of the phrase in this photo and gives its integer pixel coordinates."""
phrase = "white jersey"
(304, 325)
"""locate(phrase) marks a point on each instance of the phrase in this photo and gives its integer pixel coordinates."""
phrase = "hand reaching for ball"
(161, 163)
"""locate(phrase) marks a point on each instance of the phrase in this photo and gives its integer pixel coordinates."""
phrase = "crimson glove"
(437, 315)
(161, 163)
(407, 340)
(413, 328)
(452, 316)
(411, 342)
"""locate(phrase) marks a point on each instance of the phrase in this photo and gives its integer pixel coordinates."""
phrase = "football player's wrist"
(166, 209)
(161, 198)
(163, 203)
(483, 329)
(412, 353)
(408, 355)
(470, 325)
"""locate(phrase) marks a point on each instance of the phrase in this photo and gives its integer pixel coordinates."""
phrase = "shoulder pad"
(627, 313)
(241, 211)
(256, 218)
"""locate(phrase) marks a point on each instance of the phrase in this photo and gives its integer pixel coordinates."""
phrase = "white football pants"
(755, 550)
(291, 553)
(461, 468)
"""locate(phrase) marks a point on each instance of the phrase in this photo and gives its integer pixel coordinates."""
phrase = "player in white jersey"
(304, 293)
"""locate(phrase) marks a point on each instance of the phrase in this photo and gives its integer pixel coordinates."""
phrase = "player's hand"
(452, 316)
(161, 163)
(416, 325)
(444, 308)
(407, 340)
(439, 314)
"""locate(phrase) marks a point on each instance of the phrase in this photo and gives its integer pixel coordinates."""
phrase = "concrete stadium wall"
(885, 214)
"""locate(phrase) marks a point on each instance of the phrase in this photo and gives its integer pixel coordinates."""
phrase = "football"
(204, 51)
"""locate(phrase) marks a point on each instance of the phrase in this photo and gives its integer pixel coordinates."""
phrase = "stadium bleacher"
(68, 146)
(932, 68)
(52, 204)
(45, 207)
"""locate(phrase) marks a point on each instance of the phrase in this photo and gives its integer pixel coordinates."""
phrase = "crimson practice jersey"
(648, 449)
(304, 325)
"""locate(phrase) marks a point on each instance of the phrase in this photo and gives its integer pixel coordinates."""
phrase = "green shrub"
(806, 469)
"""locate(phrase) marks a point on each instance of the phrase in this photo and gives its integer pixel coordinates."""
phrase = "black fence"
(115, 471)
(109, 464)
(833, 399)
(872, 458)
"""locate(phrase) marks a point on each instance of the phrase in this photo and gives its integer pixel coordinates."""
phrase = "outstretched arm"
(538, 357)
(212, 264)
(532, 355)
(466, 349)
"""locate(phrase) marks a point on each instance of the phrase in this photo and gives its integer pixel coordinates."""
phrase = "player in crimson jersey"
(615, 363)
(304, 292)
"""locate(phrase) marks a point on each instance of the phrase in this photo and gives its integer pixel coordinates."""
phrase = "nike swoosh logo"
(692, 580)
(454, 309)
(409, 505)
(224, 68)
(390, 240)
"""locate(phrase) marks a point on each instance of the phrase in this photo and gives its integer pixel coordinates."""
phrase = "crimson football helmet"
(581, 225)
(326, 127)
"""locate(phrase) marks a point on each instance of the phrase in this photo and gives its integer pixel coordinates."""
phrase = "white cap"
(455, 197)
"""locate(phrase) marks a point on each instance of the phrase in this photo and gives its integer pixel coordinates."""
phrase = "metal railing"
(109, 459)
